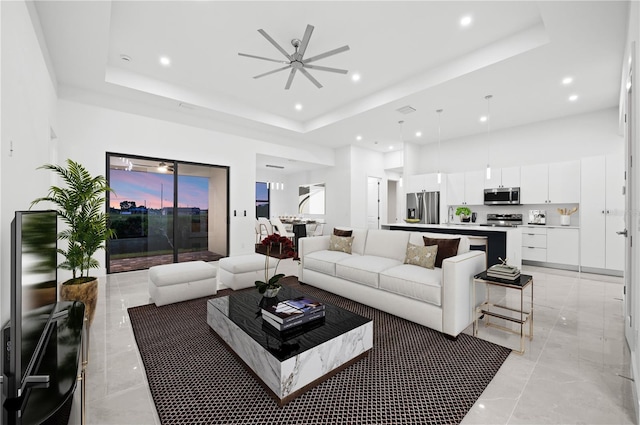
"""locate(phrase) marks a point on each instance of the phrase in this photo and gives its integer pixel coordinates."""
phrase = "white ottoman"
(242, 271)
(172, 283)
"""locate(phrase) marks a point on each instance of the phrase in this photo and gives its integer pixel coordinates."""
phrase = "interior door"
(630, 229)
(373, 203)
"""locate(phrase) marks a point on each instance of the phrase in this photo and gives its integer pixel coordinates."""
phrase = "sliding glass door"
(165, 211)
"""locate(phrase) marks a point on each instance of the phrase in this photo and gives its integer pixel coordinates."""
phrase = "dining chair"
(266, 228)
(279, 228)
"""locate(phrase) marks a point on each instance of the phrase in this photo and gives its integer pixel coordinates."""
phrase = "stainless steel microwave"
(502, 196)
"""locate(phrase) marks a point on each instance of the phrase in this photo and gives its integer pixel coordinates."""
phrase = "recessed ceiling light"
(355, 77)
(418, 133)
(567, 80)
(573, 97)
(483, 119)
(391, 147)
(358, 137)
(165, 61)
(298, 107)
(465, 21)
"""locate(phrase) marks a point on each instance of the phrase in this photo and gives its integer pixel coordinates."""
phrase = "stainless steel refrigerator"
(424, 206)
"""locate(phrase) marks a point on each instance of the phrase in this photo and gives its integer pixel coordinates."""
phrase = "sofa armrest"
(457, 278)
(307, 246)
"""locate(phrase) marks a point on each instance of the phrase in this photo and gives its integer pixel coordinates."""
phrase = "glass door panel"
(151, 228)
(201, 222)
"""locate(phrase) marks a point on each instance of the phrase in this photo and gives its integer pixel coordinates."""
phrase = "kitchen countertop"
(549, 226)
(470, 226)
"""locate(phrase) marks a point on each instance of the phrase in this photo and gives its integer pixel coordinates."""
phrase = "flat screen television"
(33, 296)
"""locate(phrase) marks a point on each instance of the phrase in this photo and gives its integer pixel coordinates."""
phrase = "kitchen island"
(502, 242)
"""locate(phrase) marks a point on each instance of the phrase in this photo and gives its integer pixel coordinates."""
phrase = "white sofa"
(375, 274)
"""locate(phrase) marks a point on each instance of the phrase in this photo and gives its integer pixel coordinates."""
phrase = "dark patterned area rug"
(413, 375)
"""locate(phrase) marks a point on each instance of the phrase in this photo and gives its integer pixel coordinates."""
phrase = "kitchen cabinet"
(602, 212)
(465, 188)
(563, 246)
(555, 183)
(503, 177)
(552, 245)
(422, 183)
(534, 244)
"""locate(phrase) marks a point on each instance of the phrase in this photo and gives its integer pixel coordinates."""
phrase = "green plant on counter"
(463, 211)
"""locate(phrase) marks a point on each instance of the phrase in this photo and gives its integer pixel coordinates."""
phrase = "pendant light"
(488, 97)
(439, 112)
(401, 142)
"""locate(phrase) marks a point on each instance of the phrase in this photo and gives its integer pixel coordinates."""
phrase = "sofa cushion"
(359, 239)
(364, 269)
(416, 238)
(423, 256)
(324, 261)
(387, 243)
(341, 232)
(413, 282)
(340, 243)
(446, 247)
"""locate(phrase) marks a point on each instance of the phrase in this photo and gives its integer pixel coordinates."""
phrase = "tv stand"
(63, 361)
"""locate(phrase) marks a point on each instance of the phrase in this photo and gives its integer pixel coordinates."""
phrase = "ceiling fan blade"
(272, 72)
(326, 54)
(310, 77)
(290, 79)
(324, 68)
(305, 41)
(276, 45)
(260, 57)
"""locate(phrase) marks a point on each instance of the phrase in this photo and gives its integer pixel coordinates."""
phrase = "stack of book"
(294, 312)
(503, 271)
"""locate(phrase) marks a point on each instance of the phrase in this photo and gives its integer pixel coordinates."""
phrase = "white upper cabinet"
(564, 182)
(422, 183)
(474, 187)
(503, 177)
(510, 177)
(455, 189)
(555, 183)
(534, 184)
(465, 188)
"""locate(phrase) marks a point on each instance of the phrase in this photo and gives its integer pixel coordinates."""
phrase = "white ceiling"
(407, 53)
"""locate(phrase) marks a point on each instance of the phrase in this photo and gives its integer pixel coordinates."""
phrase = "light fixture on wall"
(439, 112)
(488, 97)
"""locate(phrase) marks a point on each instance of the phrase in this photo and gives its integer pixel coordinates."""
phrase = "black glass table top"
(244, 309)
(521, 281)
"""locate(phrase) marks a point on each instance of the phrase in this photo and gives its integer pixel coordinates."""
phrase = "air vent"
(275, 166)
(406, 110)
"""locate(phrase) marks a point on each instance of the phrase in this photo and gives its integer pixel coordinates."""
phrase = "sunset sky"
(145, 189)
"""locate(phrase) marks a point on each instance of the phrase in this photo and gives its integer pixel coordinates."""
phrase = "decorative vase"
(85, 292)
(565, 220)
(271, 292)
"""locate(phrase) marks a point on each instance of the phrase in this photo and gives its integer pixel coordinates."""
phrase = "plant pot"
(465, 219)
(86, 292)
(271, 292)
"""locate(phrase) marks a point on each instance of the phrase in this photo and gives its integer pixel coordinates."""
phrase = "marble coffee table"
(292, 362)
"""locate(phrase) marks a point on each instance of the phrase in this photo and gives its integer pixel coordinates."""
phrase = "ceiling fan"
(296, 60)
(162, 167)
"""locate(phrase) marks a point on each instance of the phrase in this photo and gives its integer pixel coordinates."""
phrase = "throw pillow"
(339, 232)
(446, 248)
(340, 243)
(423, 256)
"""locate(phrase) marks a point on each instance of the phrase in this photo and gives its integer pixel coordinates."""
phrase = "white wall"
(28, 114)
(563, 139)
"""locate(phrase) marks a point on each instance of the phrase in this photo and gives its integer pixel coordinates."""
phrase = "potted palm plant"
(80, 205)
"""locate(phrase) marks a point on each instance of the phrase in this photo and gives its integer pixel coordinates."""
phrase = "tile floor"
(572, 372)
